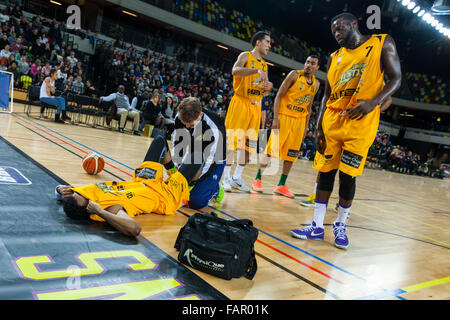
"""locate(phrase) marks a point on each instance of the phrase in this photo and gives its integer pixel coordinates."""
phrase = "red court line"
(294, 259)
(13, 137)
(85, 152)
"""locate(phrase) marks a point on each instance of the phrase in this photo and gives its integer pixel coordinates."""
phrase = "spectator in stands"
(78, 86)
(37, 49)
(72, 60)
(55, 33)
(89, 89)
(124, 109)
(35, 69)
(47, 96)
(4, 41)
(309, 150)
(151, 113)
(169, 112)
(23, 65)
(6, 53)
(18, 46)
(139, 101)
(16, 12)
(3, 64)
(15, 71)
(68, 83)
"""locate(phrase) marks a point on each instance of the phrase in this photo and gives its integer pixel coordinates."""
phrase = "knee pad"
(326, 180)
(347, 186)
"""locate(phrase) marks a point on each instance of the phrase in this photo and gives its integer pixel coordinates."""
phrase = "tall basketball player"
(292, 109)
(349, 117)
(250, 85)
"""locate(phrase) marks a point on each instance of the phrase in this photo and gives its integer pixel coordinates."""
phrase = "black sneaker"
(120, 130)
(136, 133)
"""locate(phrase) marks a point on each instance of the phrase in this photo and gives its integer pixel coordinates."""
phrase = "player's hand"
(101, 99)
(65, 191)
(93, 207)
(275, 124)
(320, 141)
(267, 86)
(263, 77)
(362, 109)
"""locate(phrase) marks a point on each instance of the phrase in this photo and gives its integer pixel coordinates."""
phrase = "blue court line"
(103, 155)
(278, 239)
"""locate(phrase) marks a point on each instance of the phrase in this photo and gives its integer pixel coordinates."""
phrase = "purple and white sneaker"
(340, 238)
(312, 232)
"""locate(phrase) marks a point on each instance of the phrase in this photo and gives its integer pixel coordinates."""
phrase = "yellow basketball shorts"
(347, 142)
(285, 144)
(242, 122)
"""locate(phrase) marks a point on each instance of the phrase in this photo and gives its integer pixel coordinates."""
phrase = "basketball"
(93, 163)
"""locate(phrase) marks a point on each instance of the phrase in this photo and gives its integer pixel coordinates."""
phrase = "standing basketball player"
(250, 85)
(309, 202)
(349, 117)
(291, 113)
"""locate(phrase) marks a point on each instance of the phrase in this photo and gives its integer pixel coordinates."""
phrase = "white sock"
(320, 208)
(342, 214)
(238, 172)
(315, 188)
(227, 171)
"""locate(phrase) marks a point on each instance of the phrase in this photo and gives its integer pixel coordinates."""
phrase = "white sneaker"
(239, 184)
(226, 186)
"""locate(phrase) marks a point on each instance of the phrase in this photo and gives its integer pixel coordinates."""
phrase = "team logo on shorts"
(351, 159)
(293, 153)
(10, 175)
(145, 173)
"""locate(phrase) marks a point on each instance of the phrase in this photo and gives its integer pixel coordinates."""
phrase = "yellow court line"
(402, 229)
(408, 218)
(426, 284)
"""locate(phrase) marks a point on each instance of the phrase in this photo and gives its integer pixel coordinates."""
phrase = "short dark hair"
(52, 71)
(260, 35)
(345, 16)
(314, 56)
(74, 211)
(189, 109)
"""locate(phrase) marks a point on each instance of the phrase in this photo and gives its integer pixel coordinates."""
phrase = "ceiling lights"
(426, 16)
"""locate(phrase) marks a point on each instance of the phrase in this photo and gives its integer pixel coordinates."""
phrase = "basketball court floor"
(399, 230)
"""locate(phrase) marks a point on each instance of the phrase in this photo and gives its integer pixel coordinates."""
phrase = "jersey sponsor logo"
(145, 173)
(10, 175)
(293, 153)
(355, 71)
(343, 93)
(351, 159)
(254, 92)
(304, 99)
(295, 108)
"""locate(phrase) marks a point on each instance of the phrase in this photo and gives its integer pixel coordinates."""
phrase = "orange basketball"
(93, 163)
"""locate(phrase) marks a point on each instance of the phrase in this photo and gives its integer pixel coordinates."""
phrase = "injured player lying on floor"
(117, 202)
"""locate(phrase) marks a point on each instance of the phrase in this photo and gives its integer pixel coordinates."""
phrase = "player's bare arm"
(390, 62)
(287, 83)
(240, 70)
(320, 138)
(317, 85)
(116, 217)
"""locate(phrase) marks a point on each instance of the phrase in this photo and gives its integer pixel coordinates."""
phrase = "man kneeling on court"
(116, 202)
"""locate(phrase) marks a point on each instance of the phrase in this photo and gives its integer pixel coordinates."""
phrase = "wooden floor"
(399, 228)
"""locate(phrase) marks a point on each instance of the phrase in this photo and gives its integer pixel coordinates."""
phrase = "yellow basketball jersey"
(296, 100)
(249, 86)
(146, 193)
(355, 74)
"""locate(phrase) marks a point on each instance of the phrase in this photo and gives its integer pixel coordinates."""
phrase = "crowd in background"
(431, 89)
(31, 47)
